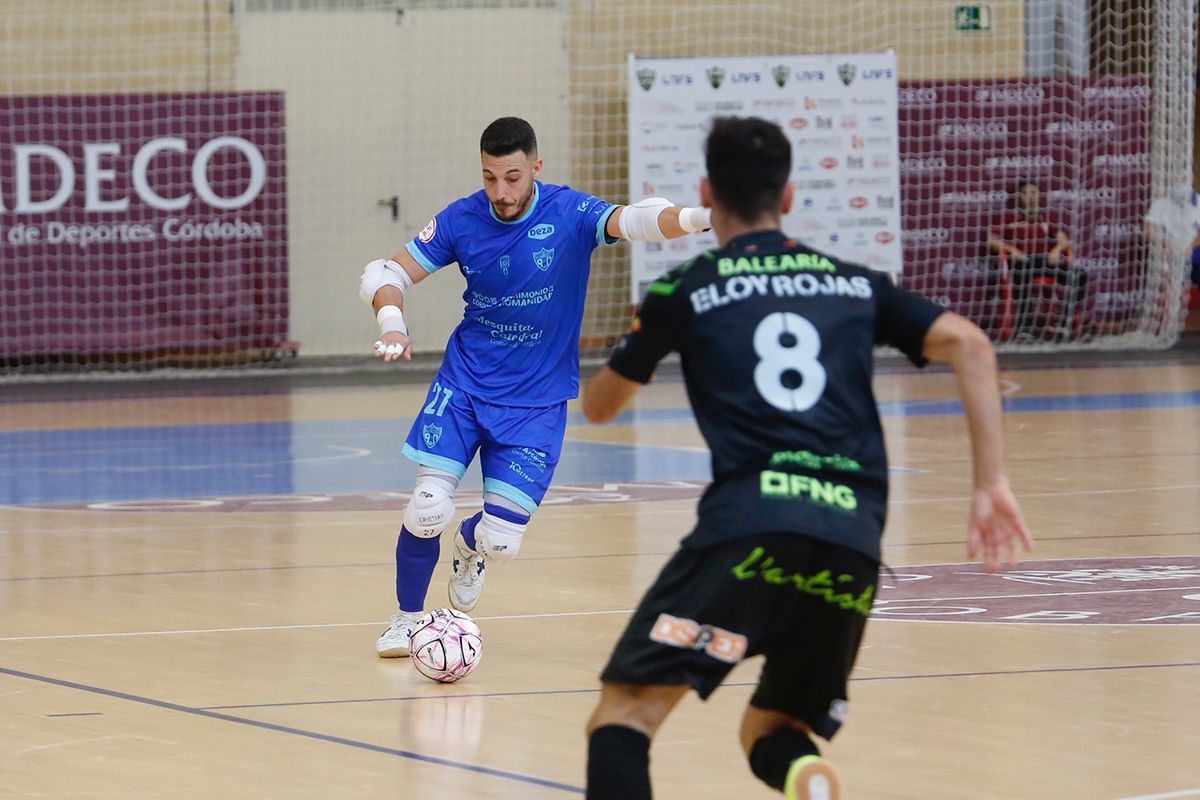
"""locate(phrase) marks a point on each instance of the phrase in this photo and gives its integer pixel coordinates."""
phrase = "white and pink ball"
(446, 645)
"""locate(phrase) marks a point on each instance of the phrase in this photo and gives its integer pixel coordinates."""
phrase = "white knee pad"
(498, 539)
(430, 510)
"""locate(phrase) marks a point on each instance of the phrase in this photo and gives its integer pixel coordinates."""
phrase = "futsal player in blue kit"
(511, 365)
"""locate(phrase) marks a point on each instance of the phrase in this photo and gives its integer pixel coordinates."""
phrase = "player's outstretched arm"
(996, 527)
(655, 219)
(606, 394)
(382, 286)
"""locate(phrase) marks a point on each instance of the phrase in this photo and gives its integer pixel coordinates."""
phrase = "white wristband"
(391, 320)
(694, 220)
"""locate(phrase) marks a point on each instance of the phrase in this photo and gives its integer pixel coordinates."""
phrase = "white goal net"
(198, 182)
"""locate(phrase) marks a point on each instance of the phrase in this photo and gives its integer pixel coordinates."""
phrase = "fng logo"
(541, 231)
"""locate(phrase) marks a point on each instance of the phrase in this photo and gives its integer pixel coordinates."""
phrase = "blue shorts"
(519, 447)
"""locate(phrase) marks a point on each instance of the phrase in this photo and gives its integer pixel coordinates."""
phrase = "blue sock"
(515, 517)
(415, 560)
(468, 527)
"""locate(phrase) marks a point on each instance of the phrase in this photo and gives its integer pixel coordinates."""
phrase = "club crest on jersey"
(428, 231)
(432, 434)
(543, 231)
(846, 72)
(543, 258)
(781, 73)
(716, 76)
(645, 77)
(504, 262)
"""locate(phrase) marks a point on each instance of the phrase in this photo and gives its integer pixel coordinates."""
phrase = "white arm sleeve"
(379, 273)
(639, 222)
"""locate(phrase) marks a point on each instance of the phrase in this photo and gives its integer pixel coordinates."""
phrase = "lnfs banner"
(840, 113)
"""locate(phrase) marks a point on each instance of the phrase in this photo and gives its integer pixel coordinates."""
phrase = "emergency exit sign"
(972, 18)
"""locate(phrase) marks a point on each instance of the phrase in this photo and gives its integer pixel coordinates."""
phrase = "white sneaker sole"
(393, 652)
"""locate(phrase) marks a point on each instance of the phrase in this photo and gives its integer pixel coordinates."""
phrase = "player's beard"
(515, 211)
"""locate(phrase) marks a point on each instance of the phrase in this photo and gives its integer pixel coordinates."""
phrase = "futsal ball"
(446, 645)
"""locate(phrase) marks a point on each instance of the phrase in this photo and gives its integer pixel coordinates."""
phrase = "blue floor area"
(282, 458)
(348, 457)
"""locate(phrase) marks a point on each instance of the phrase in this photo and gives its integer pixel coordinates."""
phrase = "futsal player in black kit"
(776, 343)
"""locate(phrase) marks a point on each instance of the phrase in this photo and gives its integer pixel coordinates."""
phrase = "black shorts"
(800, 602)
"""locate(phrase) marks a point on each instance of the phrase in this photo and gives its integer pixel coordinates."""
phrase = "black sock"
(618, 765)
(772, 755)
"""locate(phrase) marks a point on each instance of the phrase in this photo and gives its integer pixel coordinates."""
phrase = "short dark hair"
(749, 161)
(1014, 200)
(507, 135)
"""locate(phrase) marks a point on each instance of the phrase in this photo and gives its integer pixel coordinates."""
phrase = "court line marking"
(1023, 495)
(528, 559)
(70, 742)
(363, 565)
(879, 618)
(290, 627)
(611, 508)
(1166, 795)
(735, 684)
(292, 731)
(1037, 594)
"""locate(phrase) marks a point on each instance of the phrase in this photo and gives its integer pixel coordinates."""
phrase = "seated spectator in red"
(1036, 245)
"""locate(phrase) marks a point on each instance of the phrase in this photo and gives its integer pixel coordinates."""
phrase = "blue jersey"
(518, 342)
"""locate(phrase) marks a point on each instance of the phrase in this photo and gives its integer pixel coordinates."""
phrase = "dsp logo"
(688, 634)
(829, 162)
(885, 237)
(859, 202)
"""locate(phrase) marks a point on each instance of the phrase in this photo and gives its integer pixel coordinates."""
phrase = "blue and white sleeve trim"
(602, 236)
(421, 258)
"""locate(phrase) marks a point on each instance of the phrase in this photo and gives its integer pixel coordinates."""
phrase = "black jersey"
(776, 341)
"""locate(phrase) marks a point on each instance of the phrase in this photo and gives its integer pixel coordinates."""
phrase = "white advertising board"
(838, 111)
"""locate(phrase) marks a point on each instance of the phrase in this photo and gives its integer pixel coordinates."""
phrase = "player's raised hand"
(997, 527)
(393, 346)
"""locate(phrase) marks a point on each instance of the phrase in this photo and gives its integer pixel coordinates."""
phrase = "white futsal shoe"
(393, 643)
(466, 576)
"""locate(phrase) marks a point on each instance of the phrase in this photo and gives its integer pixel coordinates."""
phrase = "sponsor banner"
(965, 144)
(838, 111)
(137, 224)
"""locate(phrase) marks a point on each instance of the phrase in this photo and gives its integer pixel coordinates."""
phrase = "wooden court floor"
(191, 582)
